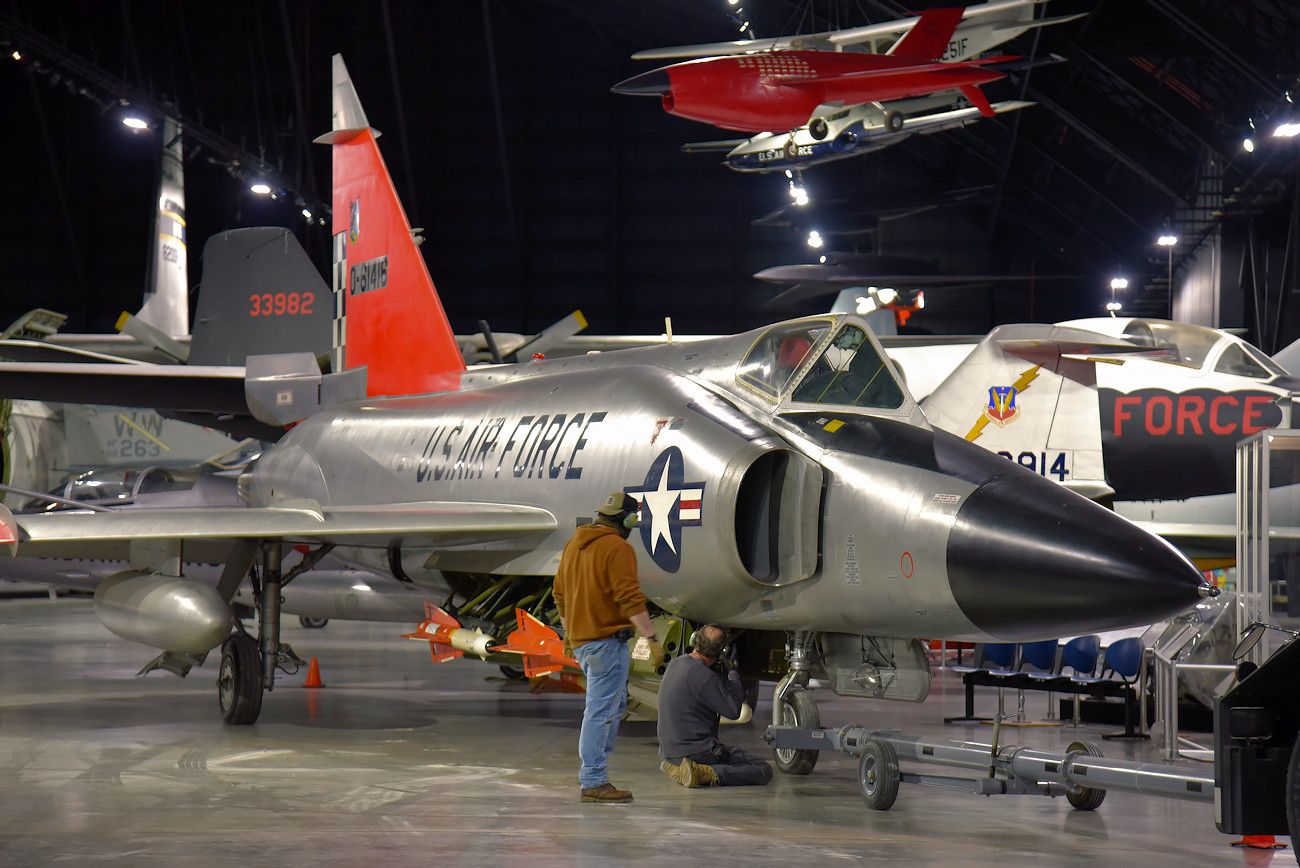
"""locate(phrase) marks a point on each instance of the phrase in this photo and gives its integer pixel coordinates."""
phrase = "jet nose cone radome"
(1022, 553)
(654, 83)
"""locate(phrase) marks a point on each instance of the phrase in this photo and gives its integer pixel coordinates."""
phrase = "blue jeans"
(605, 662)
(735, 767)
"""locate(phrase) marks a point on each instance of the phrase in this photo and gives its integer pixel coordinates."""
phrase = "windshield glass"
(850, 372)
(1236, 359)
(778, 355)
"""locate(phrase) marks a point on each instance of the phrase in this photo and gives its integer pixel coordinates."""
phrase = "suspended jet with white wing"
(819, 97)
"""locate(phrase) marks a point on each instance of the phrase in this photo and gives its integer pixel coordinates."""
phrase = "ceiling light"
(1119, 283)
(1286, 131)
(1167, 240)
(815, 239)
(1249, 145)
(260, 188)
(135, 123)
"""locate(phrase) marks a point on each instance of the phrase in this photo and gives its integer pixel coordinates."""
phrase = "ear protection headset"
(630, 519)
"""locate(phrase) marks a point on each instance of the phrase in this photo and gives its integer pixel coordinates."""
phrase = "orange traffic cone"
(1259, 842)
(313, 674)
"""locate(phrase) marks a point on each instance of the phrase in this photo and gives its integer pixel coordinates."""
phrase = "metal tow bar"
(1081, 774)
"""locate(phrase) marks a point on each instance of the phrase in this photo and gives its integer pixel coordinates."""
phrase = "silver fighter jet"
(790, 488)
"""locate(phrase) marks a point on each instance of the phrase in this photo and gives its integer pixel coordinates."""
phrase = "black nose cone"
(1029, 559)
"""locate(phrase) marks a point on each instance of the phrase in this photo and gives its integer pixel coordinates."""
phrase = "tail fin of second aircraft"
(389, 318)
(1028, 392)
(929, 36)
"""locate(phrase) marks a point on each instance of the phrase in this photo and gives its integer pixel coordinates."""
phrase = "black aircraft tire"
(312, 623)
(514, 673)
(818, 128)
(878, 775)
(799, 709)
(893, 121)
(1293, 795)
(751, 687)
(1086, 798)
(239, 684)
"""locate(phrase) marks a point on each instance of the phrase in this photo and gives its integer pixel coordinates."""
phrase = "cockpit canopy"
(802, 362)
(1191, 345)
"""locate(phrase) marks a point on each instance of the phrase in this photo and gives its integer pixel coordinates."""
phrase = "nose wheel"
(798, 709)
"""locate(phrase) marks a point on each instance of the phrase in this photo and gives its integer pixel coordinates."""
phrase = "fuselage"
(779, 90)
(787, 482)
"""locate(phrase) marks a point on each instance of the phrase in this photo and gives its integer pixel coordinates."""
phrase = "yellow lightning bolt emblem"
(1019, 385)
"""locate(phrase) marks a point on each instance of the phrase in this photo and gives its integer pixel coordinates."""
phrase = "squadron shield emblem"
(668, 504)
(1002, 407)
(354, 221)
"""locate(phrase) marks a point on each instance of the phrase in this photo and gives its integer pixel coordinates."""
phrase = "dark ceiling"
(540, 191)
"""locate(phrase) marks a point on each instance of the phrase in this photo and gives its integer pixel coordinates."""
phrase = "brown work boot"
(606, 793)
(690, 773)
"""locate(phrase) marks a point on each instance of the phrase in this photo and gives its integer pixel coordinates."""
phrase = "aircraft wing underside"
(430, 524)
(175, 387)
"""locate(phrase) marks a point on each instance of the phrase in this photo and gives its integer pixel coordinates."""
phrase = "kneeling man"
(691, 699)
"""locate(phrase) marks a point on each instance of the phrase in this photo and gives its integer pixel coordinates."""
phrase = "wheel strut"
(268, 617)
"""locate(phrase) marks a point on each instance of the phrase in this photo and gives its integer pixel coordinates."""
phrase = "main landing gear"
(248, 664)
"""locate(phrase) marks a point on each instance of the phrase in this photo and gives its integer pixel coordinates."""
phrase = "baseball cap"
(618, 503)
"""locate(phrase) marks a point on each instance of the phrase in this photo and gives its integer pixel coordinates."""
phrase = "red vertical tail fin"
(929, 36)
(389, 318)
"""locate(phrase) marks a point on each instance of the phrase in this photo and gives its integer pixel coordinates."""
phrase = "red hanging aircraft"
(781, 90)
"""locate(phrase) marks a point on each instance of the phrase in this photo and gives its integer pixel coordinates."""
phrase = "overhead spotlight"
(1249, 145)
(1286, 131)
(260, 188)
(135, 123)
(1119, 283)
(732, 2)
(1167, 240)
(822, 259)
(1114, 307)
(306, 213)
(815, 239)
(17, 55)
(799, 194)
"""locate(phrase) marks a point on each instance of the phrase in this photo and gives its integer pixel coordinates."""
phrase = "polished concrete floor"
(398, 761)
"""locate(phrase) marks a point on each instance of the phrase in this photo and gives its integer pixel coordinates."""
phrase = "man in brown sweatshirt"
(600, 601)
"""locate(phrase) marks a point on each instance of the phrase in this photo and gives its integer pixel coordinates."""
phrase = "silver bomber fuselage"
(757, 510)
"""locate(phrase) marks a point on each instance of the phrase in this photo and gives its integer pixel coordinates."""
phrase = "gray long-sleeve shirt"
(691, 698)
